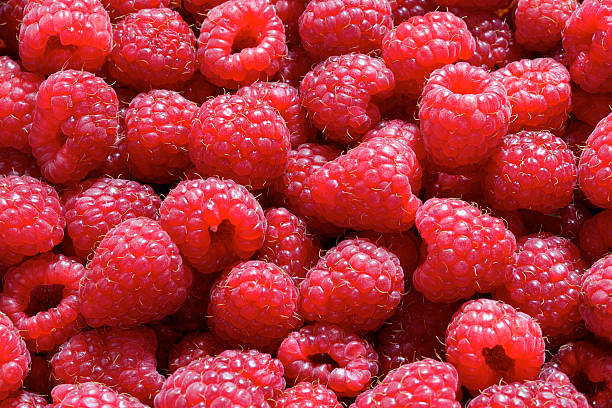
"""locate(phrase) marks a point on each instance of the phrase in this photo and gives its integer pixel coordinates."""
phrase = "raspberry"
(328, 355)
(241, 138)
(369, 187)
(491, 5)
(91, 394)
(24, 399)
(101, 206)
(340, 95)
(75, 125)
(420, 45)
(489, 341)
(48, 323)
(153, 48)
(241, 41)
(415, 331)
(402, 10)
(398, 129)
(467, 186)
(336, 27)
(294, 65)
(136, 276)
(591, 108)
(595, 164)
(254, 303)
(596, 298)
(193, 346)
(108, 356)
(532, 170)
(540, 93)
(15, 163)
(198, 89)
(15, 360)
(539, 23)
(11, 15)
(64, 34)
(117, 9)
(157, 136)
(284, 98)
(428, 383)
(214, 223)
(310, 395)
(464, 113)
(17, 101)
(530, 394)
(467, 251)
(288, 243)
(289, 11)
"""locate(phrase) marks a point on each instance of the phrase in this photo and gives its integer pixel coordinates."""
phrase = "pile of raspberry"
(306, 204)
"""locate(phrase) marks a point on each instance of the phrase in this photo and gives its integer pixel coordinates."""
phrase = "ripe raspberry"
(64, 34)
(591, 108)
(340, 95)
(540, 93)
(289, 11)
(309, 395)
(594, 165)
(415, 331)
(328, 355)
(15, 360)
(241, 41)
(153, 48)
(24, 399)
(17, 101)
(75, 125)
(532, 170)
(194, 346)
(15, 163)
(489, 341)
(491, 5)
(530, 394)
(467, 186)
(90, 394)
(369, 187)
(199, 90)
(336, 27)
(118, 9)
(464, 114)
(49, 323)
(241, 138)
(402, 10)
(539, 23)
(398, 129)
(214, 222)
(420, 45)
(596, 298)
(294, 65)
(467, 251)
(136, 276)
(11, 15)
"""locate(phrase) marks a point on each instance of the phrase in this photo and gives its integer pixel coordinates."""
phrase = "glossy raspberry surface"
(596, 298)
(90, 394)
(15, 357)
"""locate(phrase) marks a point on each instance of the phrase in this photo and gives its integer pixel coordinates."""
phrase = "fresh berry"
(591, 108)
(539, 23)
(398, 129)
(24, 399)
(309, 395)
(15, 360)
(91, 395)
(118, 9)
(15, 163)
(402, 10)
(595, 165)
(596, 298)
(194, 346)
(491, 5)
(596, 236)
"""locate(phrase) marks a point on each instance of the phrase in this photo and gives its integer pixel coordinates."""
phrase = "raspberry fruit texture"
(488, 341)
(118, 9)
(427, 382)
(214, 222)
(369, 187)
(328, 355)
(596, 298)
(424, 43)
(402, 10)
(466, 251)
(356, 285)
(153, 48)
(157, 136)
(241, 41)
(75, 125)
(104, 204)
(596, 236)
(91, 394)
(341, 93)
(193, 346)
(464, 113)
(539, 23)
(241, 138)
(309, 395)
(589, 107)
(24, 399)
(532, 170)
(44, 326)
(491, 5)
(15, 358)
(135, 276)
(64, 34)
(15, 163)
(336, 27)
(398, 129)
(595, 165)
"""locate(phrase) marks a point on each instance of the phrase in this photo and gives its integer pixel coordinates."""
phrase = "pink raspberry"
(15, 163)
(11, 15)
(15, 360)
(489, 341)
(596, 298)
(591, 108)
(596, 236)
(117, 9)
(24, 399)
(595, 165)
(398, 129)
(241, 41)
(193, 346)
(530, 394)
(491, 5)
(91, 394)
(328, 355)
(307, 394)
(402, 10)
(214, 222)
(539, 23)
(418, 46)
(467, 251)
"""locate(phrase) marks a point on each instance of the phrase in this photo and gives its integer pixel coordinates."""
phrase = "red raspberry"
(15, 163)
(530, 394)
(416, 330)
(214, 222)
(464, 113)
(467, 187)
(309, 395)
(467, 251)
(294, 65)
(123, 360)
(90, 394)
(591, 108)
(369, 187)
(101, 206)
(15, 360)
(595, 165)
(539, 23)
(44, 326)
(24, 399)
(402, 10)
(336, 27)
(241, 138)
(428, 383)
(136, 276)
(540, 93)
(596, 298)
(289, 11)
(64, 34)
(491, 5)
(75, 125)
(194, 346)
(198, 89)
(356, 285)
(398, 129)
(11, 15)
(340, 95)
(254, 303)
(17, 101)
(118, 9)
(420, 45)
(241, 41)
(596, 236)
(153, 48)
(532, 170)
(328, 355)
